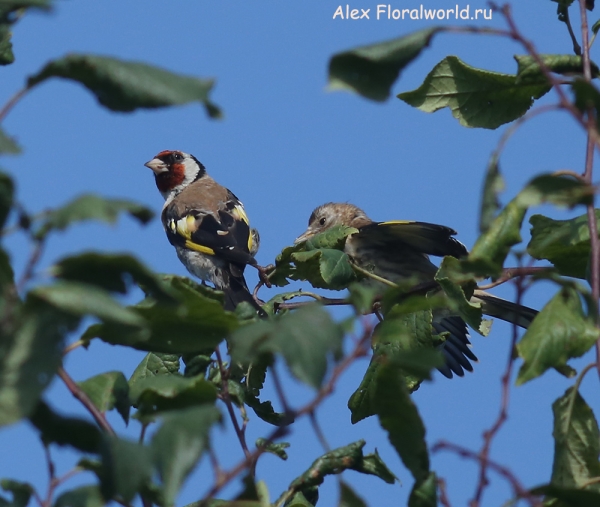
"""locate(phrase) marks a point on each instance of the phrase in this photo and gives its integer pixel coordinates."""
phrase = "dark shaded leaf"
(424, 494)
(155, 364)
(476, 97)
(57, 429)
(21, 492)
(8, 10)
(569, 497)
(7, 277)
(83, 496)
(112, 272)
(7, 189)
(278, 449)
(596, 27)
(529, 69)
(372, 70)
(372, 464)
(348, 498)
(196, 324)
(492, 186)
(80, 299)
(126, 468)
(305, 338)
(170, 392)
(30, 353)
(126, 86)
(399, 417)
(107, 391)
(561, 331)
(565, 243)
(470, 312)
(576, 443)
(7, 144)
(91, 207)
(179, 444)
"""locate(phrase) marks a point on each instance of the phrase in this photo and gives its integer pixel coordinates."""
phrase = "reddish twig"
(360, 350)
(12, 102)
(519, 490)
(34, 258)
(444, 500)
(53, 481)
(511, 273)
(85, 401)
(318, 431)
(226, 397)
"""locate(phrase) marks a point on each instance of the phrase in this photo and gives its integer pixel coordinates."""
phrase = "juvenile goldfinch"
(399, 250)
(207, 225)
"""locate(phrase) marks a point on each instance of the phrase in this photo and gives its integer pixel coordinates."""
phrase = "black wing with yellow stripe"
(225, 234)
(430, 239)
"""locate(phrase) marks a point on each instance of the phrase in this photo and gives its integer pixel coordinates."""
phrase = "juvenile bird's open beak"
(157, 166)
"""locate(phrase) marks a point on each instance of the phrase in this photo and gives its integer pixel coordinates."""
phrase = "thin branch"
(34, 258)
(520, 272)
(576, 46)
(444, 500)
(85, 401)
(360, 350)
(319, 431)
(520, 491)
(12, 102)
(488, 436)
(226, 397)
(280, 393)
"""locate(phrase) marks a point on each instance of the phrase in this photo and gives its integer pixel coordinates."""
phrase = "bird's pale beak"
(157, 166)
(307, 235)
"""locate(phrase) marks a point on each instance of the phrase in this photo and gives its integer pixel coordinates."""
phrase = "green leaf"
(80, 299)
(170, 392)
(529, 69)
(565, 243)
(155, 364)
(57, 429)
(470, 312)
(596, 27)
(349, 457)
(476, 97)
(372, 464)
(7, 189)
(107, 391)
(371, 70)
(30, 354)
(424, 494)
(8, 16)
(83, 496)
(348, 498)
(568, 497)
(179, 444)
(576, 443)
(21, 491)
(406, 343)
(278, 449)
(7, 144)
(196, 324)
(126, 468)
(126, 86)
(112, 272)
(7, 278)
(91, 207)
(492, 186)
(305, 338)
(399, 417)
(561, 331)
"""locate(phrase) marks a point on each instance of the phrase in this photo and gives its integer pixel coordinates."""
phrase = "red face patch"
(172, 178)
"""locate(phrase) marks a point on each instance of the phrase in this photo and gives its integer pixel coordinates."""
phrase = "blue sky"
(286, 145)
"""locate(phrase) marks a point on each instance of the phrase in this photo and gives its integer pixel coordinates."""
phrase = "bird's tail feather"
(236, 291)
(503, 309)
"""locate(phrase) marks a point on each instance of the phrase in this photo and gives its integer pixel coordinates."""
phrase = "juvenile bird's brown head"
(331, 214)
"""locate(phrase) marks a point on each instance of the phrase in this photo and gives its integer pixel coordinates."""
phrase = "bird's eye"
(322, 221)
(177, 156)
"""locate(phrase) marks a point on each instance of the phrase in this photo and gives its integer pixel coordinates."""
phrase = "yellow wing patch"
(199, 248)
(184, 227)
(402, 222)
(239, 213)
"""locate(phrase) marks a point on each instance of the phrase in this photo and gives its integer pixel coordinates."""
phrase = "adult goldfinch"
(207, 225)
(399, 250)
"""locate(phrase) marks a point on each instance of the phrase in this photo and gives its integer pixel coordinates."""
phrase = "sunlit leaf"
(529, 69)
(83, 496)
(476, 97)
(561, 331)
(107, 391)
